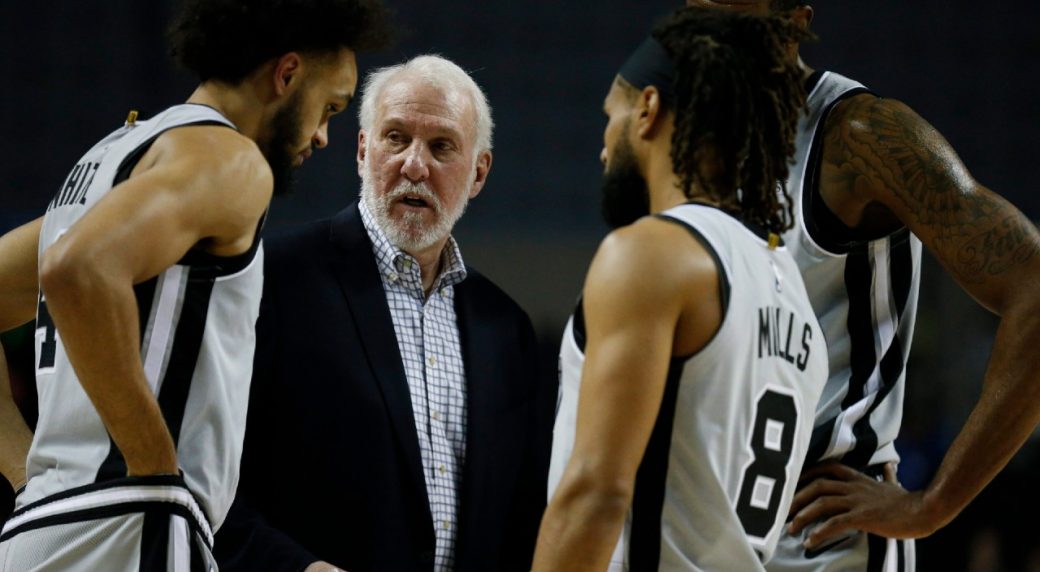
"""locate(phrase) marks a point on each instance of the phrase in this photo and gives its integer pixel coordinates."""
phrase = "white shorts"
(860, 552)
(135, 524)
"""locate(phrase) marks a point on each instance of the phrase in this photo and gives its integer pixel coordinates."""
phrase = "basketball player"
(872, 180)
(149, 268)
(693, 363)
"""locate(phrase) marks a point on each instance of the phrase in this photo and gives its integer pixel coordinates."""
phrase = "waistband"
(162, 493)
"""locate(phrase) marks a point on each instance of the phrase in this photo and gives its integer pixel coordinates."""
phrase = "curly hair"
(227, 40)
(738, 97)
(785, 5)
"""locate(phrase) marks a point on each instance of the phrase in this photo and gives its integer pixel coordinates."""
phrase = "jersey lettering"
(772, 440)
(47, 337)
(76, 185)
(776, 329)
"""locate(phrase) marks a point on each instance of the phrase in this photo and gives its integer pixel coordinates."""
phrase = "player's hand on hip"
(322, 566)
(840, 499)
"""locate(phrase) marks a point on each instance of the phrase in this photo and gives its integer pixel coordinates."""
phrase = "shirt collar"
(391, 260)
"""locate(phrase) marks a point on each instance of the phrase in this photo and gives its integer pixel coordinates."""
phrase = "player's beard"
(409, 232)
(626, 197)
(281, 148)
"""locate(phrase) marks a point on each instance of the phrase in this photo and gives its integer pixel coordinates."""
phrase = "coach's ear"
(361, 151)
(480, 172)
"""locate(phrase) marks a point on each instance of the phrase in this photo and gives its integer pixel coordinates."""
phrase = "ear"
(361, 151)
(287, 70)
(802, 16)
(648, 113)
(482, 170)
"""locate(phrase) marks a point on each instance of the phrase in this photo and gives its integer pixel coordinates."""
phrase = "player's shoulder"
(653, 247)
(869, 113)
(215, 151)
(228, 166)
(650, 237)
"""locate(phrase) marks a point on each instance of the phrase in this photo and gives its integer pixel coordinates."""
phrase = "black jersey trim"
(197, 563)
(125, 481)
(176, 382)
(116, 508)
(651, 478)
(877, 552)
(578, 325)
(752, 227)
(819, 440)
(144, 293)
(813, 80)
(184, 355)
(902, 262)
(155, 541)
(213, 266)
(862, 358)
(841, 542)
(724, 284)
(893, 364)
(823, 227)
(114, 466)
(859, 274)
(108, 511)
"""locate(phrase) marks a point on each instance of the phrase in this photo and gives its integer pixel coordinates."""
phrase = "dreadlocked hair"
(738, 97)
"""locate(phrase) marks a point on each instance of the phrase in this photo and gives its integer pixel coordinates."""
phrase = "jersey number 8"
(772, 439)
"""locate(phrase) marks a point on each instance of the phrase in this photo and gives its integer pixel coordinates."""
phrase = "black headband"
(650, 64)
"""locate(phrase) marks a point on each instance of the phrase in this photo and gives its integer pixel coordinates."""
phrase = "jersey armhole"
(213, 266)
(724, 283)
(578, 324)
(822, 225)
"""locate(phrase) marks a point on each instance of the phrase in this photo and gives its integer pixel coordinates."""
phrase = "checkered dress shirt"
(428, 337)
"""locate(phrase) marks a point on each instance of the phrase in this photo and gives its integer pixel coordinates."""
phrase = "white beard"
(410, 233)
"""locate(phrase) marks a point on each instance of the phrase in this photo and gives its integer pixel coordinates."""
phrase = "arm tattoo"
(884, 148)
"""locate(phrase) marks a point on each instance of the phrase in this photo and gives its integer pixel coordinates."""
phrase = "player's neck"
(663, 184)
(238, 103)
(664, 187)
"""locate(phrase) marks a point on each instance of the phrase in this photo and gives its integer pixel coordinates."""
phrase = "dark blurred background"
(74, 70)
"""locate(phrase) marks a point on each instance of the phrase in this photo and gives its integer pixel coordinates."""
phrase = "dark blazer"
(331, 468)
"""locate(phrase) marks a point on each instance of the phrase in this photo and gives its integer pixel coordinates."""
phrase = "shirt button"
(446, 525)
(436, 415)
(444, 292)
(431, 360)
(392, 277)
(442, 469)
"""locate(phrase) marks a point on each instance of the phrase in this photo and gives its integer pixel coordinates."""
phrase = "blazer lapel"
(355, 269)
(481, 398)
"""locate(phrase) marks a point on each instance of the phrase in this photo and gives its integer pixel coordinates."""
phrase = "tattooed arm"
(885, 167)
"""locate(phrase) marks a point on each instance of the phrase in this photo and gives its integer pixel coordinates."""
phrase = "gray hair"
(439, 72)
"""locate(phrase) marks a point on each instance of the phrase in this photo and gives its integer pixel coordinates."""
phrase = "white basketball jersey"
(865, 295)
(720, 469)
(197, 321)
